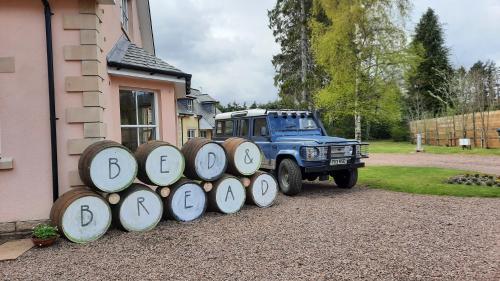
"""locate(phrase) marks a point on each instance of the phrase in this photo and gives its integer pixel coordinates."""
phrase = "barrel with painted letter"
(244, 156)
(187, 201)
(263, 189)
(205, 159)
(81, 215)
(227, 195)
(160, 163)
(107, 166)
(140, 209)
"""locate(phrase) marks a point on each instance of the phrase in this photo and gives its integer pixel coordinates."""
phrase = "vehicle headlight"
(312, 153)
(348, 150)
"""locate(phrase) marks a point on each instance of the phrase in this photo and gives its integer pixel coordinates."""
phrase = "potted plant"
(44, 235)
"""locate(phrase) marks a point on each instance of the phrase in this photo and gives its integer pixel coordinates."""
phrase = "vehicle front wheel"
(289, 177)
(345, 178)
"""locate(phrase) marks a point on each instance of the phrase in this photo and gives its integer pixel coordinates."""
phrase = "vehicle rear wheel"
(346, 178)
(289, 177)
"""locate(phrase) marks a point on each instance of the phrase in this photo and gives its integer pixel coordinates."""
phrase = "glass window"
(224, 128)
(258, 124)
(219, 125)
(203, 134)
(191, 134)
(190, 105)
(293, 123)
(244, 124)
(138, 118)
(228, 128)
(124, 16)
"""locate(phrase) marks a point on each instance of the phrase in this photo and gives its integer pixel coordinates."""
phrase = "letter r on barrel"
(113, 162)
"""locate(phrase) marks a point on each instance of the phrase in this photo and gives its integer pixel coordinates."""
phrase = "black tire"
(289, 177)
(346, 178)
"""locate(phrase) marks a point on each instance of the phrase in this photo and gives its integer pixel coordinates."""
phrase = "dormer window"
(190, 105)
(124, 17)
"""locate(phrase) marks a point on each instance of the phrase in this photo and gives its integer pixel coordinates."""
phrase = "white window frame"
(203, 134)
(124, 18)
(137, 126)
(189, 105)
(191, 131)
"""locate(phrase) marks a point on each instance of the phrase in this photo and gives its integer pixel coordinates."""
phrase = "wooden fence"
(481, 128)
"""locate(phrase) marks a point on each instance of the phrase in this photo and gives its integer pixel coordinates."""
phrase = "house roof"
(207, 117)
(202, 98)
(126, 54)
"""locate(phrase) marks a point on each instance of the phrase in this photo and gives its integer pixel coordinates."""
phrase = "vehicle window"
(293, 123)
(243, 128)
(224, 128)
(258, 124)
(228, 128)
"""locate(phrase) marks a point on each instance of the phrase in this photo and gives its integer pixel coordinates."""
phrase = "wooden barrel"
(160, 163)
(227, 195)
(107, 166)
(81, 215)
(187, 201)
(140, 209)
(205, 160)
(244, 156)
(263, 190)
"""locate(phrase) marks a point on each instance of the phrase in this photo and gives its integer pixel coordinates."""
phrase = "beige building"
(196, 116)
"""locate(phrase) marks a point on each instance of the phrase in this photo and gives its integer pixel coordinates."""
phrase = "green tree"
(429, 77)
(297, 76)
(363, 49)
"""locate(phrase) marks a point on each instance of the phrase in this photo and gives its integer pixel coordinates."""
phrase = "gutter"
(152, 71)
(52, 101)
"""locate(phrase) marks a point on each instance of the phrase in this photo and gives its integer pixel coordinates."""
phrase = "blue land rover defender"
(295, 146)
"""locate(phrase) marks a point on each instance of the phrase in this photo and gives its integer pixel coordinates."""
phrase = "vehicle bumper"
(328, 168)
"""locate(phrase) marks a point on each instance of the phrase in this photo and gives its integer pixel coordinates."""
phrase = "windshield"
(292, 123)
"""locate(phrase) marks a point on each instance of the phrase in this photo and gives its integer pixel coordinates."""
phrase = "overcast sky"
(227, 45)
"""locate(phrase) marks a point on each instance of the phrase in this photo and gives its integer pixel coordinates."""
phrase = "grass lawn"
(405, 147)
(421, 180)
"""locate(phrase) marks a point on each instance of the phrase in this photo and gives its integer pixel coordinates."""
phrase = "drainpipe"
(52, 100)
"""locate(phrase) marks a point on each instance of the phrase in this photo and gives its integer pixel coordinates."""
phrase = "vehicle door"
(260, 134)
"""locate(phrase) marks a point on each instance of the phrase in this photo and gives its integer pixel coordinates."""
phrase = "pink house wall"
(26, 190)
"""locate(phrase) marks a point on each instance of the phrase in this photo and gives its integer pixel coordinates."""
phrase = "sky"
(227, 45)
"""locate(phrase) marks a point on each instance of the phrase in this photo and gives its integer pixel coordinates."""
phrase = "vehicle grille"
(338, 151)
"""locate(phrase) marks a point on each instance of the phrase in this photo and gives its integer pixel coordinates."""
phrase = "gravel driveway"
(484, 164)
(323, 234)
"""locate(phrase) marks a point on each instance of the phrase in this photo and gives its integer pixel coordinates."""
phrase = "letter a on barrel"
(227, 196)
(81, 215)
(107, 166)
(140, 209)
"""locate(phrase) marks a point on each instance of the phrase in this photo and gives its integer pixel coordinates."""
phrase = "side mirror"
(263, 131)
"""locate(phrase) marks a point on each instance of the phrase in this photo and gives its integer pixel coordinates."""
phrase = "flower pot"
(43, 242)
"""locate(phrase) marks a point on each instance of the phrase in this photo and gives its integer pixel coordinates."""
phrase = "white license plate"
(338, 162)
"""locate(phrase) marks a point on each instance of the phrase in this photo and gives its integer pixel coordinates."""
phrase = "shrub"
(44, 231)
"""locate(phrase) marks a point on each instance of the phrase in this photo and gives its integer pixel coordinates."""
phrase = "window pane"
(228, 128)
(129, 138)
(145, 105)
(127, 108)
(219, 127)
(244, 127)
(257, 125)
(147, 134)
